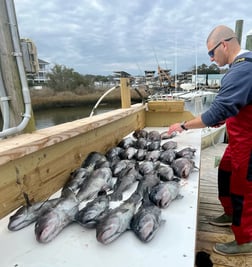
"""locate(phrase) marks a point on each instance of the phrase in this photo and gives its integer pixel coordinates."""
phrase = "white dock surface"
(75, 246)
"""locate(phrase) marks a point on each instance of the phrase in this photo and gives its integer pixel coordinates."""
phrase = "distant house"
(36, 69)
(211, 80)
(30, 56)
(41, 77)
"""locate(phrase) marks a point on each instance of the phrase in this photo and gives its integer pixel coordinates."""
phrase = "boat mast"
(196, 64)
(176, 63)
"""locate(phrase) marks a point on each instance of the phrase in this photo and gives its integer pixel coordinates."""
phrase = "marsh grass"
(46, 98)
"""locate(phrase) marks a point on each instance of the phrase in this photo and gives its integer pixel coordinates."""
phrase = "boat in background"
(212, 136)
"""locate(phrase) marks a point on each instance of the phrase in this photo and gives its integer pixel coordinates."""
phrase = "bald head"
(219, 33)
(224, 45)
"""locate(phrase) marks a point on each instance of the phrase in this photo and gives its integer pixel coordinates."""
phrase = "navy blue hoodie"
(235, 92)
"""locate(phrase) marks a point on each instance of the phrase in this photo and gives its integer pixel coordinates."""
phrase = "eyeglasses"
(211, 52)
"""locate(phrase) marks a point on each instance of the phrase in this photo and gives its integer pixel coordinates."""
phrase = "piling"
(238, 29)
(9, 71)
(249, 41)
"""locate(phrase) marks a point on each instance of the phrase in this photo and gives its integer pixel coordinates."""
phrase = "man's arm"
(192, 124)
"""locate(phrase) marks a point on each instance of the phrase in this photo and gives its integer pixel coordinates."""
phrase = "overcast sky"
(103, 36)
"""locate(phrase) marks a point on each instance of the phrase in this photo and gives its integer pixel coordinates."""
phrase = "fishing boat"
(193, 102)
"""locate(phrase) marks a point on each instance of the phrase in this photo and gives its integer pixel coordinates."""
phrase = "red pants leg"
(224, 175)
(241, 195)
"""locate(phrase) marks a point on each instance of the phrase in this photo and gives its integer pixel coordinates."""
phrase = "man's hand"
(175, 128)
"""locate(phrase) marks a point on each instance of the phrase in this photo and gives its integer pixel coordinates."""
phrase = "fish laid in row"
(183, 167)
(51, 223)
(90, 215)
(29, 213)
(147, 220)
(101, 179)
(164, 193)
(117, 220)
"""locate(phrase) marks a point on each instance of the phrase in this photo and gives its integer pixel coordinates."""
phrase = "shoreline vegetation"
(47, 98)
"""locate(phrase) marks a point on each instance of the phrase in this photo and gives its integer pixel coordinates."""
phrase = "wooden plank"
(40, 165)
(210, 199)
(231, 261)
(10, 73)
(208, 228)
(125, 93)
(212, 238)
(164, 119)
(209, 210)
(166, 106)
(25, 144)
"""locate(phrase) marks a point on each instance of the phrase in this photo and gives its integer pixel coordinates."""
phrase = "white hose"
(20, 64)
(100, 99)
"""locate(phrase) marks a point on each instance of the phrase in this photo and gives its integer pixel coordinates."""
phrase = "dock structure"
(209, 207)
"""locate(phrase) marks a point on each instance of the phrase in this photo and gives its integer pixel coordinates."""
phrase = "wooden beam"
(40, 163)
(238, 29)
(163, 119)
(125, 93)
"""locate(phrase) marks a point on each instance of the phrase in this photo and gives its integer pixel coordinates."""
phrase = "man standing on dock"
(232, 105)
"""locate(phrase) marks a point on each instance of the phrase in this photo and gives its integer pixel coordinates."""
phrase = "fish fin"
(27, 200)
(176, 179)
(124, 210)
(102, 193)
(67, 192)
(163, 221)
(116, 196)
(179, 196)
(139, 177)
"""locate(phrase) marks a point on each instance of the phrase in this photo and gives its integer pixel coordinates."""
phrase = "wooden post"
(238, 29)
(125, 93)
(249, 41)
(10, 73)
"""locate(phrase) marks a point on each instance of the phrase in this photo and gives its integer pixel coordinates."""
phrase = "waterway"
(54, 116)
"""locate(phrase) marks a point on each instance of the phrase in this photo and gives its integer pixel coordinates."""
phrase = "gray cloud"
(101, 36)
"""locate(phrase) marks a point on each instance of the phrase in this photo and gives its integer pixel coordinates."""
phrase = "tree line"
(62, 78)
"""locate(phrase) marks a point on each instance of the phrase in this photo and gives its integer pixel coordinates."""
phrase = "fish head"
(108, 230)
(87, 218)
(147, 228)
(161, 197)
(187, 168)
(89, 215)
(47, 227)
(19, 220)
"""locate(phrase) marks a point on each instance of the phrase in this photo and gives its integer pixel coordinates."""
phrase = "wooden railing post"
(249, 41)
(238, 29)
(125, 93)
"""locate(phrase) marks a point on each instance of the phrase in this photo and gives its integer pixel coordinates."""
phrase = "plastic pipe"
(22, 74)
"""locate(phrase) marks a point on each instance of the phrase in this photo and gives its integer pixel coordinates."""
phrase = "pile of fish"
(144, 159)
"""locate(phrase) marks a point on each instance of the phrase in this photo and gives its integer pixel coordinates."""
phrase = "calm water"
(51, 117)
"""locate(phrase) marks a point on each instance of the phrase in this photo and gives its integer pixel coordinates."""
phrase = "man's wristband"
(182, 125)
